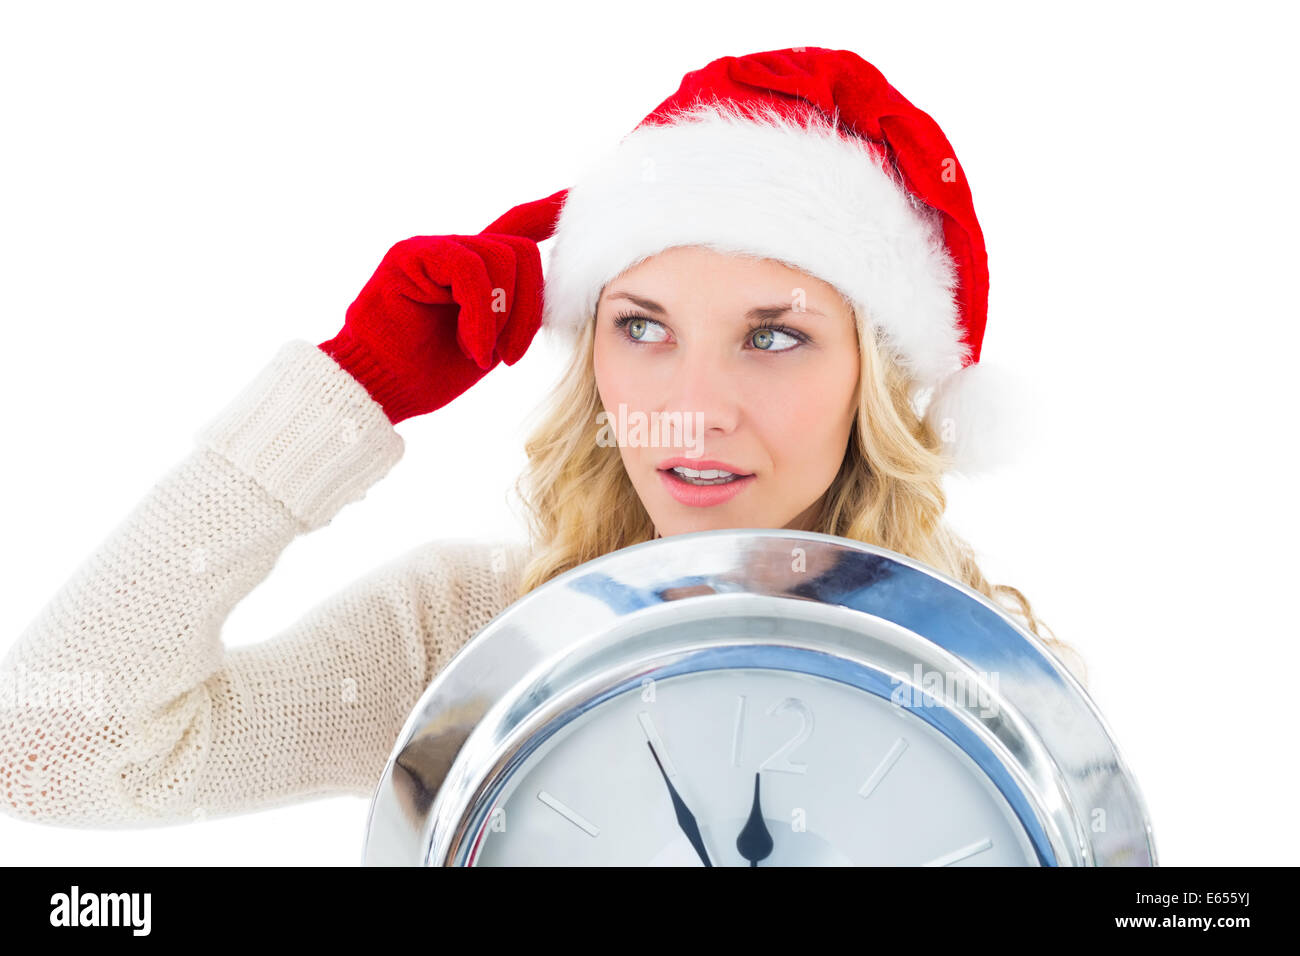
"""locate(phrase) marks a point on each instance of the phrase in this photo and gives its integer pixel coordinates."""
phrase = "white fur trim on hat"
(982, 416)
(799, 191)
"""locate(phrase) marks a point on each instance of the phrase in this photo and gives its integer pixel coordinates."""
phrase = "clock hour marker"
(883, 768)
(573, 816)
(652, 735)
(737, 735)
(961, 854)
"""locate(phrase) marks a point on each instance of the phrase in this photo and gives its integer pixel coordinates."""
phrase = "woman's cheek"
(616, 382)
(794, 400)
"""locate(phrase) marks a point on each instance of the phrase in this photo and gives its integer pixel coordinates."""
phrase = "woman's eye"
(766, 340)
(639, 328)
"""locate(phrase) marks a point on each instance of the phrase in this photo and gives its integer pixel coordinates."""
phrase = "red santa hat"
(810, 157)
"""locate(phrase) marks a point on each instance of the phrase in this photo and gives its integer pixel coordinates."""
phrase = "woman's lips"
(702, 496)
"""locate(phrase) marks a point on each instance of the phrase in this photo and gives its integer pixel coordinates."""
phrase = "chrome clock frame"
(758, 598)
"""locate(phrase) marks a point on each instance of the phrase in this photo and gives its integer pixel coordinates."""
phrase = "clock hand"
(754, 842)
(685, 819)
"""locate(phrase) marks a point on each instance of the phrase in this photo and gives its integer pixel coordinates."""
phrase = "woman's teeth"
(710, 476)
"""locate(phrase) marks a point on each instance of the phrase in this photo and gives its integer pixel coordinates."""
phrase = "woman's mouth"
(703, 487)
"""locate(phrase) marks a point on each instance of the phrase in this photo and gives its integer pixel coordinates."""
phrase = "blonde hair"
(580, 503)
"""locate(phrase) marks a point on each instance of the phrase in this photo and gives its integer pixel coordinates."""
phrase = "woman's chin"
(713, 523)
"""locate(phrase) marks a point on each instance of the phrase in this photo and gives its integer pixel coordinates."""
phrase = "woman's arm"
(119, 703)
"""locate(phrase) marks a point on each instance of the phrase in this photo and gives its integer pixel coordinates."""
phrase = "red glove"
(441, 311)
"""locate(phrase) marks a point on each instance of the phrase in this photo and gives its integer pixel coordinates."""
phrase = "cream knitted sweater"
(119, 704)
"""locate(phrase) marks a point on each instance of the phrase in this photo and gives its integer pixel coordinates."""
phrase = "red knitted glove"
(438, 314)
(441, 311)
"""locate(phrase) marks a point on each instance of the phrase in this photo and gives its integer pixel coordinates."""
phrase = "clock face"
(744, 765)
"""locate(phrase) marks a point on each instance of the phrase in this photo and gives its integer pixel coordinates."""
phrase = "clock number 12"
(780, 759)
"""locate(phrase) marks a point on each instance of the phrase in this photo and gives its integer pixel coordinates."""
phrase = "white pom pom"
(982, 414)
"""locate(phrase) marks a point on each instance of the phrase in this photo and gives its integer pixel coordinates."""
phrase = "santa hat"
(810, 157)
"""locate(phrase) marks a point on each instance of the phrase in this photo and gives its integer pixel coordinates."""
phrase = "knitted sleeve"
(119, 704)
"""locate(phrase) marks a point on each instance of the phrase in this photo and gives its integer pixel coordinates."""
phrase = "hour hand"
(755, 842)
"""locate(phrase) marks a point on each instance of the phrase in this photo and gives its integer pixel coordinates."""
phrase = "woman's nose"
(703, 387)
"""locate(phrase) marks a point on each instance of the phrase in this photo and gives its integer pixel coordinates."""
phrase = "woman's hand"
(438, 314)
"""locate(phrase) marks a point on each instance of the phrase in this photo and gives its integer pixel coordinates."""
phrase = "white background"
(187, 186)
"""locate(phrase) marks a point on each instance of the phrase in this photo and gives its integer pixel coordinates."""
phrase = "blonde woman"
(781, 262)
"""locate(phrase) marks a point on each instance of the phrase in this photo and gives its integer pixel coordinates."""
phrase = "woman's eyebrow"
(647, 304)
(769, 312)
(760, 312)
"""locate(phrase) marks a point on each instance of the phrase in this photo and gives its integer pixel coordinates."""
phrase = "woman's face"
(709, 360)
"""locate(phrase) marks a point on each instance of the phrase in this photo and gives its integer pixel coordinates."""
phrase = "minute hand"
(685, 819)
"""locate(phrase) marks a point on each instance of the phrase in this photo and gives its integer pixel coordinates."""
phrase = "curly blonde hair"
(580, 503)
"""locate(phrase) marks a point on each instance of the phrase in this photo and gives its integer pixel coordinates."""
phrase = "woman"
(780, 263)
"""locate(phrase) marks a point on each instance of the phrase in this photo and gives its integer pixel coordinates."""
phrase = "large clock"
(756, 698)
